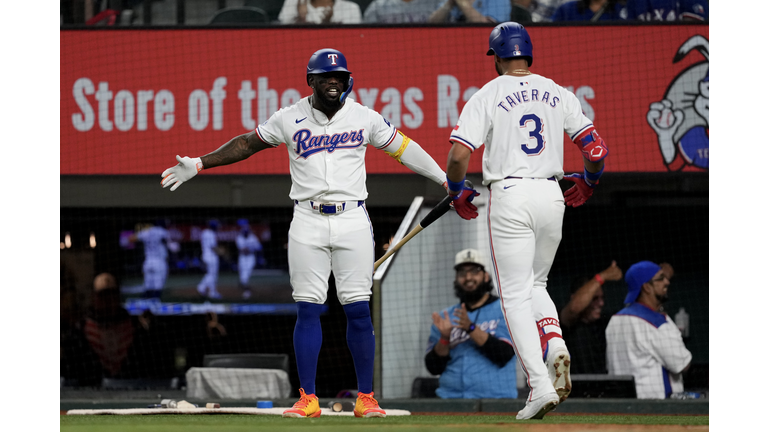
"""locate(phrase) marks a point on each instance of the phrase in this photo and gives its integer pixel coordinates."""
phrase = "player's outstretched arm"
(238, 148)
(413, 156)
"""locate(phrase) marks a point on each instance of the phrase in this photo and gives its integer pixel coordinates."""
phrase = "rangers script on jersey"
(327, 157)
(521, 121)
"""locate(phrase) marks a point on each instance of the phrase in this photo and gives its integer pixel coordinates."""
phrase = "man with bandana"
(644, 342)
(469, 344)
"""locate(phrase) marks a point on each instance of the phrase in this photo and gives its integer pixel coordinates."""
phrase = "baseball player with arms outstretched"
(326, 136)
(520, 117)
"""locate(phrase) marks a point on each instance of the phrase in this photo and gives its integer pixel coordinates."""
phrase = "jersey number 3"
(526, 122)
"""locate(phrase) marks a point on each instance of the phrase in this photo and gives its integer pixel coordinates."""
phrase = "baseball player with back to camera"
(326, 135)
(520, 117)
(156, 241)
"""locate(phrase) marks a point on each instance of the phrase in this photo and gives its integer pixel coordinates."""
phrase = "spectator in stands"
(590, 10)
(78, 363)
(668, 10)
(473, 11)
(540, 10)
(400, 11)
(644, 342)
(108, 327)
(469, 344)
(584, 323)
(320, 12)
(520, 13)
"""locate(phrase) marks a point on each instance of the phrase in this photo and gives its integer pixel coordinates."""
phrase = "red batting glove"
(580, 192)
(462, 203)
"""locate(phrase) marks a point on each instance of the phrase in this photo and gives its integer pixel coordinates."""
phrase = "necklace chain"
(312, 111)
(521, 71)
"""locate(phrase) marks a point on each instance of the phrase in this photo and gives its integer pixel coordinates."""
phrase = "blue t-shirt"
(499, 10)
(470, 374)
(574, 11)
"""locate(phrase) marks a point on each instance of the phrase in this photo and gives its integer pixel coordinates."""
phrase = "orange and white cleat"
(307, 406)
(367, 406)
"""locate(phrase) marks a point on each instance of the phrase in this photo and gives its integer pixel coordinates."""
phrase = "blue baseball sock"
(361, 343)
(307, 339)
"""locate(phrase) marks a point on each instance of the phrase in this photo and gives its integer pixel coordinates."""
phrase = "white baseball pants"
(525, 220)
(319, 244)
(155, 273)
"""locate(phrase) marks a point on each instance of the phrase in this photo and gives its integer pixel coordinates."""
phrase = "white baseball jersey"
(521, 122)
(327, 157)
(648, 345)
(248, 242)
(328, 166)
(208, 243)
(154, 245)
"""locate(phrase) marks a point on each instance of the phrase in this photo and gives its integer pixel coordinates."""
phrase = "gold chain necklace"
(521, 71)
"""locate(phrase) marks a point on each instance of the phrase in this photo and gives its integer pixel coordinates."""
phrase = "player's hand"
(580, 192)
(612, 273)
(443, 324)
(462, 318)
(185, 170)
(462, 203)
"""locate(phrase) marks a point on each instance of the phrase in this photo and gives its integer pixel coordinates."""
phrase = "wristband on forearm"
(455, 187)
(592, 178)
(599, 279)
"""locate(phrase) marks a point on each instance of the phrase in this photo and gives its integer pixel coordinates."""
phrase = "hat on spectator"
(637, 275)
(468, 256)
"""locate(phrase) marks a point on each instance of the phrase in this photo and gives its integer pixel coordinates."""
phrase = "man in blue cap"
(644, 342)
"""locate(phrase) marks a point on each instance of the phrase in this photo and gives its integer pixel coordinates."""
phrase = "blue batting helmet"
(510, 40)
(327, 60)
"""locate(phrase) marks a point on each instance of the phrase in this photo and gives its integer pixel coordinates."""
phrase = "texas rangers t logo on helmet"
(333, 58)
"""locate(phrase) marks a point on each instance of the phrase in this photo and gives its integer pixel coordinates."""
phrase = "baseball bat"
(440, 209)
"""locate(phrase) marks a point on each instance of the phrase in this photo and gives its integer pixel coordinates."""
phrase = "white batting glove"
(185, 170)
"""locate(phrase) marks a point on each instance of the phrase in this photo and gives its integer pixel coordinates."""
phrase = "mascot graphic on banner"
(681, 119)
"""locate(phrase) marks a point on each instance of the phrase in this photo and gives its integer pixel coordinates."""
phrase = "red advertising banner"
(131, 100)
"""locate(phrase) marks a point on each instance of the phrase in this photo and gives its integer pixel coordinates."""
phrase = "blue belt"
(329, 208)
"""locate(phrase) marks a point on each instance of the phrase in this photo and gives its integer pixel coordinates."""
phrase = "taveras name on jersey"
(520, 120)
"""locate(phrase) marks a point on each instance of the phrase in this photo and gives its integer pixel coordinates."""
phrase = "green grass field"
(453, 423)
